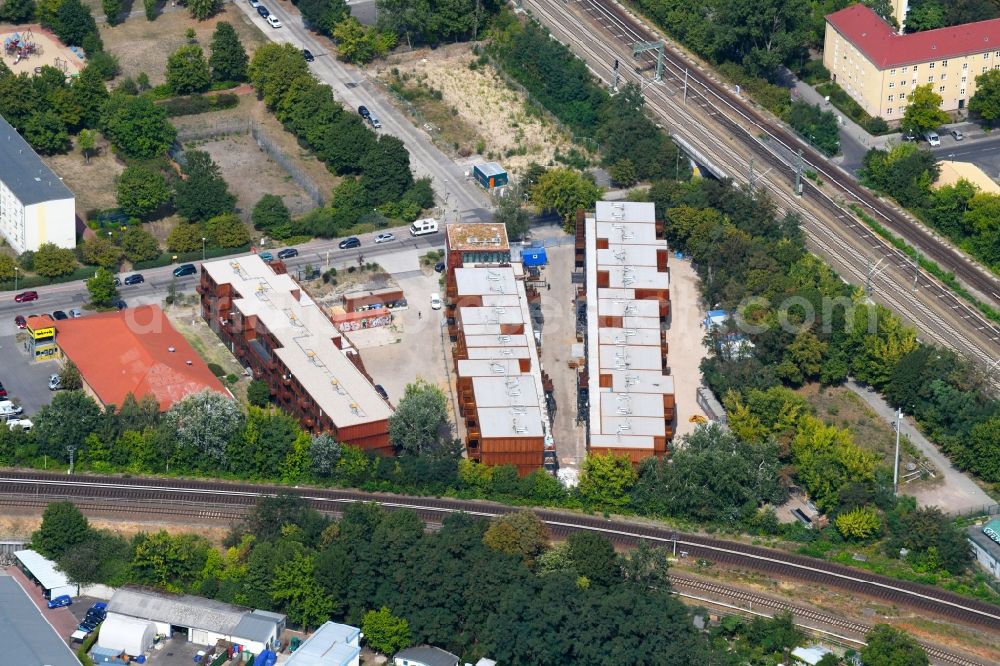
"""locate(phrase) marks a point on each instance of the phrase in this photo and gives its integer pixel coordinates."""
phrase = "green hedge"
(32, 281)
(167, 258)
(840, 99)
(187, 106)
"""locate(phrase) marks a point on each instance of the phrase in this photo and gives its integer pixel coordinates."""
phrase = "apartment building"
(627, 294)
(880, 68)
(35, 206)
(500, 384)
(283, 337)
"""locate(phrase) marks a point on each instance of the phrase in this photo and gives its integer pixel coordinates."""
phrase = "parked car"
(439, 267)
(909, 135)
(118, 281)
(3, 393)
(135, 278)
(385, 238)
(363, 111)
(381, 391)
(349, 243)
(255, 3)
(307, 54)
(184, 270)
(288, 253)
(932, 138)
(436, 301)
(75, 312)
(374, 122)
(9, 410)
(26, 296)
(262, 10)
(55, 383)
(20, 321)
(273, 21)
(87, 625)
(956, 134)
(24, 424)
(60, 601)
(266, 257)
(100, 605)
(59, 315)
(120, 305)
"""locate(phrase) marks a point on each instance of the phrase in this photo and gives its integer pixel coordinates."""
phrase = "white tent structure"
(126, 634)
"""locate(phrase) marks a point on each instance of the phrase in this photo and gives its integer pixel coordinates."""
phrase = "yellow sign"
(47, 332)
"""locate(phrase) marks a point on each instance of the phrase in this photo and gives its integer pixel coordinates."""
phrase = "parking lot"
(26, 382)
(175, 652)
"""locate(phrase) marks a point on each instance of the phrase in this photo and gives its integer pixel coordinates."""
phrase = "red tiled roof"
(877, 40)
(129, 352)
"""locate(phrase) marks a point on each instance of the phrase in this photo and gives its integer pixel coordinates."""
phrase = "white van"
(428, 225)
(9, 410)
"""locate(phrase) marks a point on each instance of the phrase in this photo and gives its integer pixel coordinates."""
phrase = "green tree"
(101, 251)
(228, 61)
(137, 126)
(324, 454)
(384, 632)
(860, 524)
(69, 376)
(91, 94)
(509, 211)
(270, 215)
(623, 173)
(827, 459)
(65, 422)
(258, 393)
(17, 11)
(51, 260)
(7, 266)
(203, 9)
(521, 533)
(884, 9)
(360, 44)
(923, 112)
(73, 23)
(204, 193)
(141, 190)
(420, 423)
(924, 16)
(983, 222)
(150, 8)
(100, 558)
(227, 230)
(273, 69)
(46, 132)
(102, 288)
(984, 445)
(112, 11)
(607, 480)
(187, 70)
(986, 101)
(166, 561)
(888, 646)
(295, 589)
(63, 526)
(565, 191)
(185, 237)
(323, 15)
(593, 557)
(87, 143)
(139, 245)
(385, 170)
(761, 35)
(200, 426)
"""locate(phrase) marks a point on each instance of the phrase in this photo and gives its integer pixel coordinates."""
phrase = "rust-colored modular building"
(500, 380)
(284, 338)
(627, 291)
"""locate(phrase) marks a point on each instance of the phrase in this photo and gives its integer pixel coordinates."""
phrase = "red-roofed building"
(134, 351)
(880, 68)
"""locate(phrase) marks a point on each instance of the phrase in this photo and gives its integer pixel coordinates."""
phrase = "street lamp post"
(202, 249)
(15, 277)
(895, 466)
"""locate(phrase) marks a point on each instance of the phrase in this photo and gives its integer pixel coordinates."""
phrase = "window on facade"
(888, 111)
(902, 109)
(890, 97)
(941, 89)
(944, 63)
(962, 91)
(904, 70)
(892, 72)
(932, 65)
(902, 96)
(997, 54)
(892, 84)
(944, 77)
(930, 79)
(963, 79)
(986, 56)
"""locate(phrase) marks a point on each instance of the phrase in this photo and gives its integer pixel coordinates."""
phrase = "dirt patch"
(472, 110)
(248, 170)
(93, 183)
(38, 47)
(143, 46)
(839, 406)
(21, 526)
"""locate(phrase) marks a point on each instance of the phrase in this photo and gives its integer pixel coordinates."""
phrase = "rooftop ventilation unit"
(497, 368)
(503, 339)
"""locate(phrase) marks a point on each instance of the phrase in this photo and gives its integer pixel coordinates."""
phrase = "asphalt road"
(460, 197)
(984, 153)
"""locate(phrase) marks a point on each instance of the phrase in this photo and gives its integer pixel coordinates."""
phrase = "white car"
(933, 139)
(23, 424)
(385, 238)
(273, 21)
(436, 301)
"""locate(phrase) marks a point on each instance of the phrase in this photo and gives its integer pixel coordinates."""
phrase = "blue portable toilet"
(533, 256)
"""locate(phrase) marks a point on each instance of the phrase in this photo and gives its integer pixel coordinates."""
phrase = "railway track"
(181, 495)
(682, 583)
(941, 316)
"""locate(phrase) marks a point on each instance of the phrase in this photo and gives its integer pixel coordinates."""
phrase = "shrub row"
(197, 103)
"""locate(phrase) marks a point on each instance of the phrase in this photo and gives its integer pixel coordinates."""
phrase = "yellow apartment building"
(880, 68)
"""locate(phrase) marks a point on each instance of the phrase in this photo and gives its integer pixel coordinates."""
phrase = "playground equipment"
(20, 45)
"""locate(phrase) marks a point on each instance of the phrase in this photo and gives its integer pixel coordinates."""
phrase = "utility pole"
(614, 78)
(685, 85)
(870, 274)
(750, 179)
(72, 450)
(895, 466)
(798, 174)
(916, 270)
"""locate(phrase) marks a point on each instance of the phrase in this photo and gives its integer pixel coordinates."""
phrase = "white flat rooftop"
(482, 281)
(622, 307)
(504, 391)
(625, 211)
(631, 357)
(499, 353)
(473, 341)
(306, 335)
(525, 421)
(478, 316)
(635, 255)
(645, 337)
